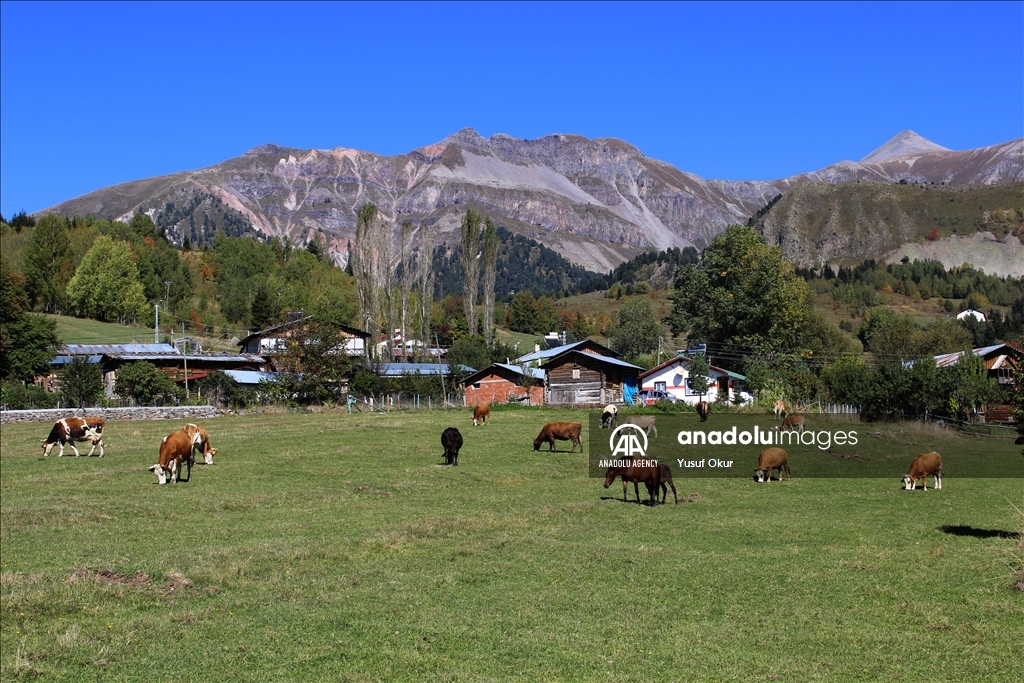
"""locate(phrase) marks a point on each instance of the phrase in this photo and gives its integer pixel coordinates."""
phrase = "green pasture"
(334, 547)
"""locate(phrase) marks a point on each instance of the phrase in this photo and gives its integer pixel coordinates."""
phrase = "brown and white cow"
(924, 465)
(175, 451)
(178, 449)
(703, 410)
(68, 430)
(562, 431)
(772, 459)
(781, 410)
(792, 422)
(200, 442)
(481, 414)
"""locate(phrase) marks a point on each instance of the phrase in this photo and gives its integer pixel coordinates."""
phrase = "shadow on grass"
(631, 501)
(961, 530)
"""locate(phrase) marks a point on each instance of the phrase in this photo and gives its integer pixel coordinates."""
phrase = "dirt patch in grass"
(109, 577)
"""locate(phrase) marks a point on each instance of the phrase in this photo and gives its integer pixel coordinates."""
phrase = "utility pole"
(184, 348)
(156, 326)
(167, 296)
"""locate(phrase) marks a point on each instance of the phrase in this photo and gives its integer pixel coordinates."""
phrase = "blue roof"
(63, 360)
(395, 369)
(548, 353)
(536, 373)
(250, 376)
(602, 359)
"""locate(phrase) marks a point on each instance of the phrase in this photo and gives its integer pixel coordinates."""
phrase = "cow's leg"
(174, 471)
(676, 497)
(636, 491)
(101, 447)
(938, 481)
(625, 495)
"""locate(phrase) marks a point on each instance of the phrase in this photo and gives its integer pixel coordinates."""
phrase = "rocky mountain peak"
(904, 144)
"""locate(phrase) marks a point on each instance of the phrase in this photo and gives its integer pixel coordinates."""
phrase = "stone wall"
(111, 414)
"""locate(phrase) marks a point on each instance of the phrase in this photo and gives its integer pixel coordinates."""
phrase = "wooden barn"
(501, 382)
(578, 378)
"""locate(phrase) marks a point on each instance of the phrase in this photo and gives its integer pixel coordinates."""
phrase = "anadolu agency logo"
(625, 442)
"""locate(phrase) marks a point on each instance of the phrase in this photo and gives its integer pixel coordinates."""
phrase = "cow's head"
(47, 447)
(161, 476)
(908, 482)
(536, 444)
(763, 475)
(208, 456)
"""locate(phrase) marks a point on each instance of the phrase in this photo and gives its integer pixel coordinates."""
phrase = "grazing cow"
(200, 442)
(703, 409)
(923, 465)
(481, 414)
(644, 422)
(175, 450)
(772, 459)
(451, 439)
(608, 417)
(562, 431)
(71, 429)
(793, 422)
(636, 470)
(781, 410)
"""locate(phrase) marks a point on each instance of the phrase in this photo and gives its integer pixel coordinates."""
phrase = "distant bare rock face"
(595, 201)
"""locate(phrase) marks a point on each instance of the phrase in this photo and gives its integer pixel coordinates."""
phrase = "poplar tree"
(471, 266)
(490, 271)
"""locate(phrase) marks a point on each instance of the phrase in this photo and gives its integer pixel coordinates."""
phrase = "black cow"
(451, 439)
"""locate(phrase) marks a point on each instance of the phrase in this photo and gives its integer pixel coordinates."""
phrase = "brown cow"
(175, 450)
(563, 431)
(636, 470)
(68, 430)
(923, 465)
(772, 459)
(793, 422)
(781, 410)
(703, 409)
(481, 413)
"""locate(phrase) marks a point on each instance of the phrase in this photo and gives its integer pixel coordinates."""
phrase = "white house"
(673, 377)
(978, 315)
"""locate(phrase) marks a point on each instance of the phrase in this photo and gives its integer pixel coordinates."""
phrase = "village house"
(673, 378)
(273, 341)
(579, 377)
(502, 382)
(1001, 360)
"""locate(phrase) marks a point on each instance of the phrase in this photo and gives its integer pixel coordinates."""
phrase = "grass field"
(324, 547)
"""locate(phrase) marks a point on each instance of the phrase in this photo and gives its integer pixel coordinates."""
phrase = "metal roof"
(63, 360)
(536, 373)
(395, 369)
(685, 359)
(558, 350)
(112, 349)
(600, 359)
(250, 376)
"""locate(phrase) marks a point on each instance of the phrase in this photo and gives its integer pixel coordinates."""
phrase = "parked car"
(649, 397)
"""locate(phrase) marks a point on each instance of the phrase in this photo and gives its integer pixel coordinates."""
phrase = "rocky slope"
(595, 201)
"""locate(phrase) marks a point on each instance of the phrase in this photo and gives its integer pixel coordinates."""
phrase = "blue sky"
(97, 94)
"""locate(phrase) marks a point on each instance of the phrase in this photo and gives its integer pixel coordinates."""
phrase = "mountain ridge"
(598, 202)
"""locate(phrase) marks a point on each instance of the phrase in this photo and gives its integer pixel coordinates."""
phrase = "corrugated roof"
(536, 373)
(112, 349)
(63, 360)
(558, 350)
(601, 359)
(395, 369)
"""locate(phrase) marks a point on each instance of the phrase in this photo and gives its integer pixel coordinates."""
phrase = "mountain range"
(598, 202)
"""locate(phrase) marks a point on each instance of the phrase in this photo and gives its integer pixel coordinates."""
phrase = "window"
(575, 373)
(659, 386)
